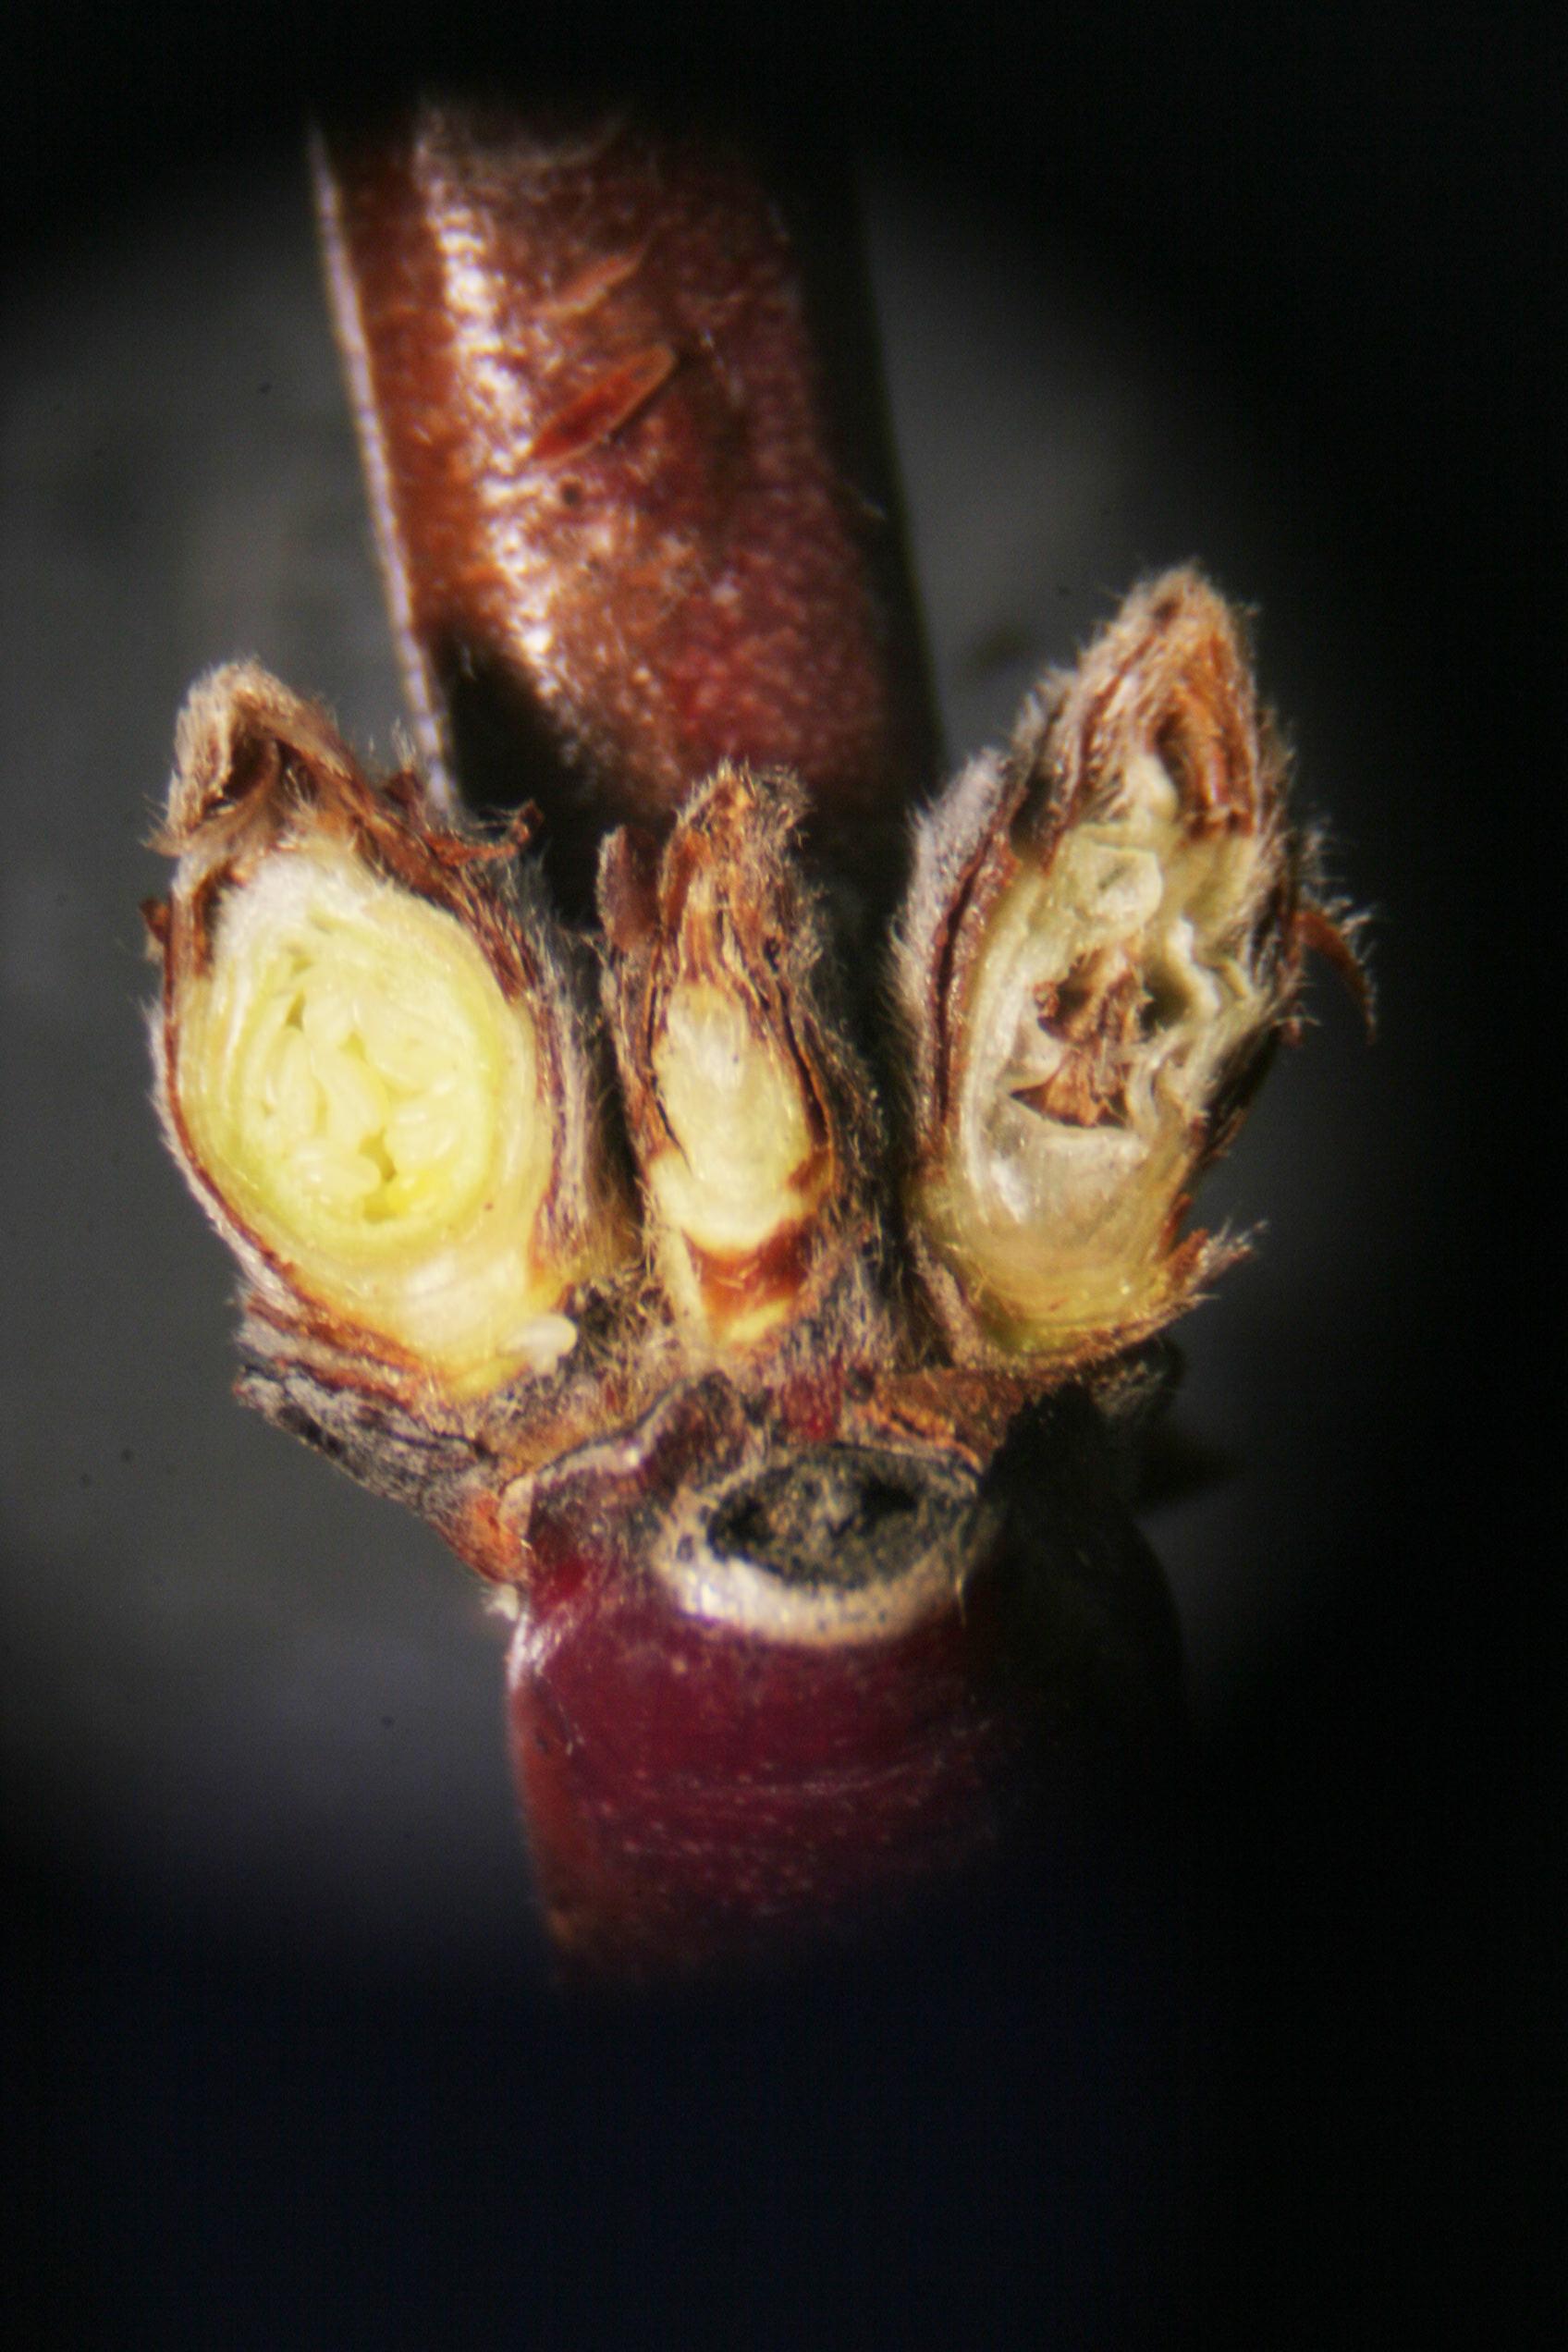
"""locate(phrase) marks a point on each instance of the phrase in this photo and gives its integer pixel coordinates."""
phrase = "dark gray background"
(288, 2066)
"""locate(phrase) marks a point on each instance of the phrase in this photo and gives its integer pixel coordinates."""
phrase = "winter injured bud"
(1102, 941)
(743, 1102)
(368, 1060)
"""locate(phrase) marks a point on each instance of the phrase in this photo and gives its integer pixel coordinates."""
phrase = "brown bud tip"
(1101, 944)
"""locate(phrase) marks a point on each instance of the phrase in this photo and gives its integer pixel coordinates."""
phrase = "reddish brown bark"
(606, 489)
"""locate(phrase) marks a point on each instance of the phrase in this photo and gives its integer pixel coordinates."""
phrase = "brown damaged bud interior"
(748, 1111)
(1103, 939)
(371, 1064)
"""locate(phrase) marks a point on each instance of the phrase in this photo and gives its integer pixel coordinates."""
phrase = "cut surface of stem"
(741, 1138)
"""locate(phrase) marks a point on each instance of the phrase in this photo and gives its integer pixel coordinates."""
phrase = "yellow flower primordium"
(368, 1103)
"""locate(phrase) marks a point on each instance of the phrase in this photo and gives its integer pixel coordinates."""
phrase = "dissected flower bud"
(370, 1062)
(820, 1586)
(747, 1111)
(1103, 939)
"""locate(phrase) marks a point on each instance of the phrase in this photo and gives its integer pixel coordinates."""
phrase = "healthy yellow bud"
(357, 1086)
(371, 1065)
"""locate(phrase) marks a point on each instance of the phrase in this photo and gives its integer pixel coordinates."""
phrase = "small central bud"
(741, 1094)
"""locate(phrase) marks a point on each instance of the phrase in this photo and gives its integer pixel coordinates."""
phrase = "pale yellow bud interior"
(1058, 1226)
(367, 1102)
(741, 1139)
